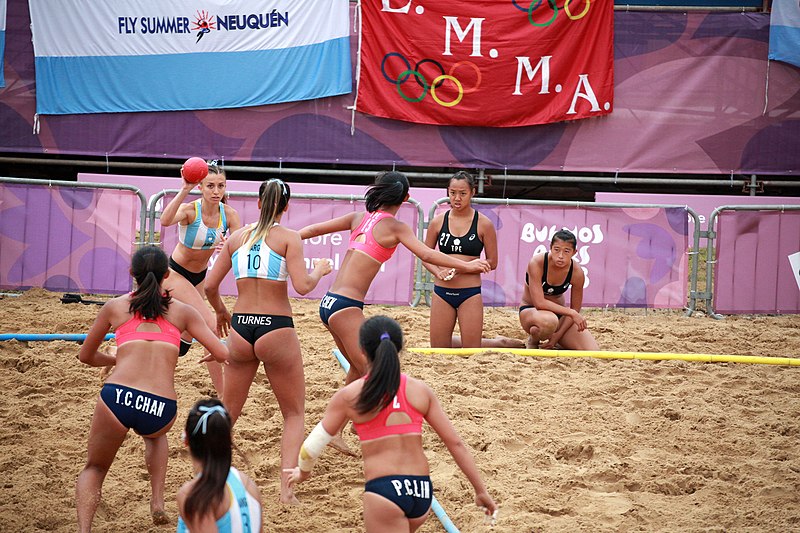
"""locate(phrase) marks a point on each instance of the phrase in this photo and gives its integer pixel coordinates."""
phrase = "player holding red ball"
(202, 228)
(194, 170)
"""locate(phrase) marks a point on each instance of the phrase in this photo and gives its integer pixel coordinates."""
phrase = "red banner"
(486, 63)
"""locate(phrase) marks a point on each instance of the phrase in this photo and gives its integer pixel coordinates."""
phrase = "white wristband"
(312, 447)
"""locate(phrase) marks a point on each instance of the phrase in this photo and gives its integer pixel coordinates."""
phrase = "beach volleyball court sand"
(564, 444)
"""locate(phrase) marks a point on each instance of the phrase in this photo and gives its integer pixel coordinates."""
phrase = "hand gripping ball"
(194, 170)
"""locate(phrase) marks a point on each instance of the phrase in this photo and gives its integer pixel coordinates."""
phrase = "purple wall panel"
(767, 289)
(703, 205)
(788, 292)
(393, 285)
(81, 240)
(631, 257)
(66, 239)
(752, 273)
(689, 96)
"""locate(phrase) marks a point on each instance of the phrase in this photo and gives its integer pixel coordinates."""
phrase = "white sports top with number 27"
(260, 261)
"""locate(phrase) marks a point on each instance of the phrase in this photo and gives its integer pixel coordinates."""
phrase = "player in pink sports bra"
(379, 427)
(140, 393)
(374, 238)
(387, 409)
(363, 240)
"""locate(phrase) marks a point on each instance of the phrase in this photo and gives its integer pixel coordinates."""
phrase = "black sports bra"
(553, 290)
(469, 244)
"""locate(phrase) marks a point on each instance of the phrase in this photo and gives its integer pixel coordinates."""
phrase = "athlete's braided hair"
(566, 236)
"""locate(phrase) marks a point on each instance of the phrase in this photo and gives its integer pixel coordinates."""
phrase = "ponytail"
(390, 189)
(274, 195)
(149, 265)
(381, 339)
(208, 432)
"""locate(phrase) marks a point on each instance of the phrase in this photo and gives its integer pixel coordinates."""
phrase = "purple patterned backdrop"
(752, 273)
(66, 239)
(702, 204)
(689, 98)
(71, 239)
(632, 257)
(80, 240)
(393, 284)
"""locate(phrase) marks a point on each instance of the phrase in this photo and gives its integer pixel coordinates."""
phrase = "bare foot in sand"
(338, 444)
(532, 343)
(497, 342)
(502, 342)
(160, 518)
(287, 492)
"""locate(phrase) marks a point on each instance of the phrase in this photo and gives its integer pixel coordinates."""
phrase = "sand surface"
(564, 444)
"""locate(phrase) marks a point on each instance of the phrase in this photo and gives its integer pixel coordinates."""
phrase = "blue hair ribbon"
(283, 186)
(207, 411)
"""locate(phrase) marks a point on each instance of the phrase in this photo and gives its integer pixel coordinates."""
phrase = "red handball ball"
(194, 170)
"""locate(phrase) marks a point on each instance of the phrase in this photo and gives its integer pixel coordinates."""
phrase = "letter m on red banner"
(496, 63)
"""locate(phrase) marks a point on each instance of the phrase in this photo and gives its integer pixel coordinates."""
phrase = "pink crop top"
(370, 246)
(377, 428)
(128, 331)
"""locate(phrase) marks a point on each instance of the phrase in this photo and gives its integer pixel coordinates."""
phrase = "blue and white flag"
(100, 56)
(2, 41)
(784, 31)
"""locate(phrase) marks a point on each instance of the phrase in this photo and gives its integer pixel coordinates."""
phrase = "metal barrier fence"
(421, 279)
(771, 227)
(90, 185)
(570, 217)
(420, 215)
(64, 235)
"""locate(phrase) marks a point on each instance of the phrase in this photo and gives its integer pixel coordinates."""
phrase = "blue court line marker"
(435, 506)
(28, 337)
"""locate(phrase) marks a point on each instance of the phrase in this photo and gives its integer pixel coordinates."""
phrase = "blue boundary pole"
(435, 506)
(27, 337)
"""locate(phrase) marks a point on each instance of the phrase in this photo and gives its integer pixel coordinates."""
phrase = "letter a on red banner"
(486, 63)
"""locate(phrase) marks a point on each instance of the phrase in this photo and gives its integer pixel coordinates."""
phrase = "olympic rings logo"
(534, 5)
(434, 84)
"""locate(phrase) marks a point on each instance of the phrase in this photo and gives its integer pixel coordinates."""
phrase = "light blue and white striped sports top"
(260, 261)
(199, 237)
(244, 514)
